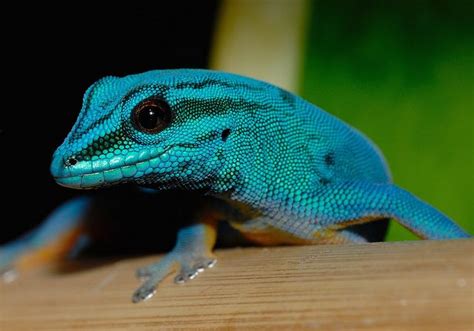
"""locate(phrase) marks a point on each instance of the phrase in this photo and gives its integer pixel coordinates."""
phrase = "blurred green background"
(402, 72)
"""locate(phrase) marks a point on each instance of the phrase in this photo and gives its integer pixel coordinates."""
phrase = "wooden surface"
(387, 286)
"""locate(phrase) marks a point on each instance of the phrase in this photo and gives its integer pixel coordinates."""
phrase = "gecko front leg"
(192, 254)
(64, 233)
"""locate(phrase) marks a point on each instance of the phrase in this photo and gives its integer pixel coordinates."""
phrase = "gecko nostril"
(71, 161)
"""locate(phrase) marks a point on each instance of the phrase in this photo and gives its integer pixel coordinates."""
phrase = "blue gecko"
(277, 168)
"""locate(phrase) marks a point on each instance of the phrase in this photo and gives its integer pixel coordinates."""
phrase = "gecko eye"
(151, 115)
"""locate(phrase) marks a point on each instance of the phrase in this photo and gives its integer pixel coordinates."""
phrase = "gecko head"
(163, 128)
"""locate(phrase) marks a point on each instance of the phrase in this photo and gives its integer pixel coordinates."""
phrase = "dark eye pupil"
(149, 117)
(152, 116)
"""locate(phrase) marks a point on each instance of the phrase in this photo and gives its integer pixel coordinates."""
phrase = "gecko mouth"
(115, 170)
(94, 179)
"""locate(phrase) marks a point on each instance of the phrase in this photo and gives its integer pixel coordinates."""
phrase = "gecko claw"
(144, 292)
(209, 263)
(187, 273)
(8, 274)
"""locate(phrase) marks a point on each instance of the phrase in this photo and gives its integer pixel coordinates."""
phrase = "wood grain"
(423, 285)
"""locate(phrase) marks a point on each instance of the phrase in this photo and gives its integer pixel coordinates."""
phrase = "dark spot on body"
(329, 159)
(324, 181)
(160, 88)
(199, 85)
(288, 97)
(225, 134)
(214, 82)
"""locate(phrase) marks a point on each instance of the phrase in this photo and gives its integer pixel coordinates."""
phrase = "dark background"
(52, 55)
(399, 71)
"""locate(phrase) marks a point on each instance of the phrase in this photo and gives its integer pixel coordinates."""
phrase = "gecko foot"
(192, 254)
(190, 266)
(8, 274)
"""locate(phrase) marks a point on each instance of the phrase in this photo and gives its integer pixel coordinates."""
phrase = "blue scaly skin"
(279, 169)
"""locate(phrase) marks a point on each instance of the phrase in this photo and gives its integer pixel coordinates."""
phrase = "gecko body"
(279, 169)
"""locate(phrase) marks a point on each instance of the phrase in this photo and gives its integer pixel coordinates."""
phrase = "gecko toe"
(8, 274)
(205, 264)
(186, 275)
(183, 277)
(199, 265)
(144, 292)
(211, 263)
(143, 273)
